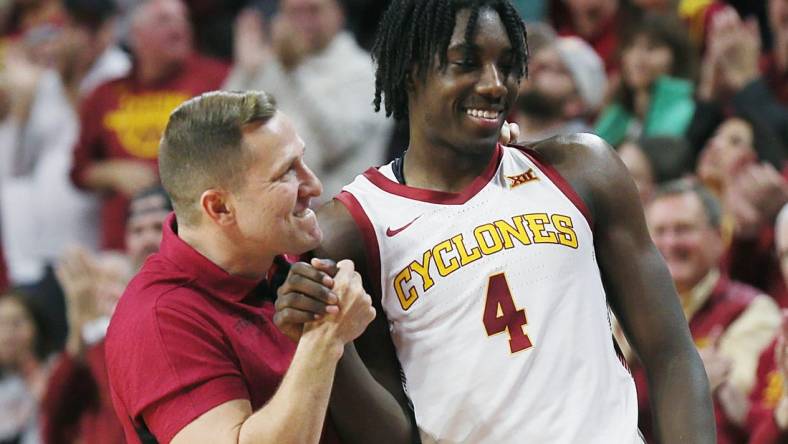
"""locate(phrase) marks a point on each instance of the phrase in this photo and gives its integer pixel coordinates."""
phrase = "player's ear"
(216, 205)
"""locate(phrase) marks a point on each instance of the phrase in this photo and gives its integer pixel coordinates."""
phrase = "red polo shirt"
(187, 336)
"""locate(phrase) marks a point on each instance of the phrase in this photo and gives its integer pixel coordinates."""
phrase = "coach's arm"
(296, 412)
(639, 288)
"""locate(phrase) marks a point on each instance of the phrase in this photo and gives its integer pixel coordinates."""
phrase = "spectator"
(731, 83)
(565, 87)
(212, 21)
(41, 211)
(639, 166)
(123, 120)
(730, 322)
(29, 19)
(318, 73)
(655, 97)
(775, 63)
(768, 415)
(696, 15)
(77, 406)
(147, 212)
(24, 368)
(598, 23)
(752, 193)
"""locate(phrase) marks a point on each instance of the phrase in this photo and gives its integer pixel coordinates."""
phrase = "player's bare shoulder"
(341, 237)
(589, 164)
(575, 154)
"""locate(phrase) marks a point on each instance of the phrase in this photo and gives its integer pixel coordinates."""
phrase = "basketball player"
(493, 266)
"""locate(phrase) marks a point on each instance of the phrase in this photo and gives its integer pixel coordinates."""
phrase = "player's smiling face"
(464, 104)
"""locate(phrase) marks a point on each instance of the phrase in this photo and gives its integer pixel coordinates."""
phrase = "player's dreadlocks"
(413, 31)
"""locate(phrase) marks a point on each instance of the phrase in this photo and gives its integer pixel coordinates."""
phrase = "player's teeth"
(482, 114)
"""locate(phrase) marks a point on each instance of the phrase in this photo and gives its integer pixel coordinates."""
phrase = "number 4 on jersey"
(500, 314)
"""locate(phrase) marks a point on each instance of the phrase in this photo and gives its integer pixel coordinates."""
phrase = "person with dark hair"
(731, 83)
(595, 21)
(731, 322)
(25, 352)
(147, 211)
(492, 266)
(565, 88)
(192, 353)
(655, 97)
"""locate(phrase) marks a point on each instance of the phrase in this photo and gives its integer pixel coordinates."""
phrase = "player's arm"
(640, 290)
(296, 412)
(368, 403)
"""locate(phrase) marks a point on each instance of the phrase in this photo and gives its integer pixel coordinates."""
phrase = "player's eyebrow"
(464, 47)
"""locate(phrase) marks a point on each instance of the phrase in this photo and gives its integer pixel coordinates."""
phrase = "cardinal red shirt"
(764, 398)
(77, 405)
(186, 337)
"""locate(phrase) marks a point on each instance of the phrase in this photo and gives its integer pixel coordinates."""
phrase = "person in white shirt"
(319, 75)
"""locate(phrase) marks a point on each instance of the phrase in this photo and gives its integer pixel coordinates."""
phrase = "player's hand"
(306, 295)
(355, 308)
(510, 133)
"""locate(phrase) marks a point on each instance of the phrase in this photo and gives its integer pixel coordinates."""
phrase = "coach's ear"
(216, 205)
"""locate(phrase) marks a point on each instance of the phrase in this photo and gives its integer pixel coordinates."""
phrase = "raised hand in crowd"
(718, 367)
(92, 286)
(731, 60)
(254, 45)
(290, 45)
(251, 46)
(18, 81)
(756, 194)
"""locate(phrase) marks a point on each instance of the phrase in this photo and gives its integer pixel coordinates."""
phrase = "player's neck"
(442, 168)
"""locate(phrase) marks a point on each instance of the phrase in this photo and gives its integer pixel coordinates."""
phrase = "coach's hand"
(306, 296)
(355, 309)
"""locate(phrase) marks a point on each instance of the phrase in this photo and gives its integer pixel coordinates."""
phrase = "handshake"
(323, 298)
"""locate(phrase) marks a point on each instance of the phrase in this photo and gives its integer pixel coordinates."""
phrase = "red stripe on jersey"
(371, 247)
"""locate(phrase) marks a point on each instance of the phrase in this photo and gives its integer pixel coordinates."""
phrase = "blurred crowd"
(693, 95)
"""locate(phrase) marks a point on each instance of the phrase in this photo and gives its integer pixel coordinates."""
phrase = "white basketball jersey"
(496, 306)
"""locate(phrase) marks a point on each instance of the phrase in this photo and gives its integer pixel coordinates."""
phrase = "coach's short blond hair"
(202, 147)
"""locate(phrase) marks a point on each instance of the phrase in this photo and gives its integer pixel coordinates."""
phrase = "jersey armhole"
(558, 180)
(371, 247)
